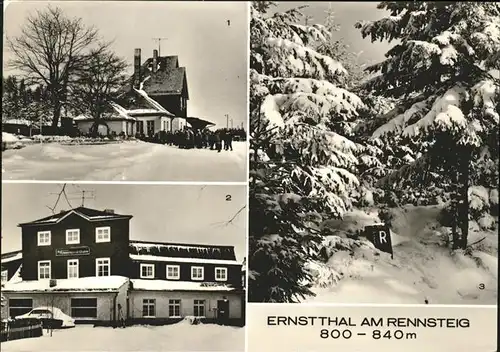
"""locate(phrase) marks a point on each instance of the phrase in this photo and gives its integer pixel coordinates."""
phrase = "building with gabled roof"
(83, 262)
(154, 99)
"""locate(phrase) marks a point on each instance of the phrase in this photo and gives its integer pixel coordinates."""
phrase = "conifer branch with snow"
(302, 165)
(440, 72)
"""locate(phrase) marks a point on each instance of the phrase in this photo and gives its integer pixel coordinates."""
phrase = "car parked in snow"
(51, 317)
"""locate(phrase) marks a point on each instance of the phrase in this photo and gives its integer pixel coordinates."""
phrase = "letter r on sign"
(382, 235)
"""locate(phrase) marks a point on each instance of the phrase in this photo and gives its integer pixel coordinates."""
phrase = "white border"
(165, 183)
(247, 241)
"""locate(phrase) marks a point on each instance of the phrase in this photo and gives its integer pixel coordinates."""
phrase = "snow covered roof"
(101, 283)
(148, 112)
(18, 122)
(200, 123)
(166, 285)
(86, 213)
(17, 276)
(169, 78)
(154, 258)
(11, 256)
(183, 250)
(167, 82)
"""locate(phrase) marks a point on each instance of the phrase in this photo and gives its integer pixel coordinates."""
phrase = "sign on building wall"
(65, 252)
(380, 236)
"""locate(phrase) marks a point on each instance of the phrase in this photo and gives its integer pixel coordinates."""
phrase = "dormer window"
(43, 238)
(102, 234)
(147, 271)
(197, 273)
(73, 236)
(220, 274)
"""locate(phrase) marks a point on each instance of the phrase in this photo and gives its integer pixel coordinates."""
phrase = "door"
(223, 310)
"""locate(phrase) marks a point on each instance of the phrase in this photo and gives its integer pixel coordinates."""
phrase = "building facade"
(83, 262)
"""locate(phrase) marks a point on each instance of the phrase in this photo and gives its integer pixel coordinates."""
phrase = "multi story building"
(83, 262)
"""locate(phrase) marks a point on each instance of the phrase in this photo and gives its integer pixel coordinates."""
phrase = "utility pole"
(227, 120)
(231, 123)
(159, 39)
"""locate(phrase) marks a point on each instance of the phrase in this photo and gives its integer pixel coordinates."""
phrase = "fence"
(20, 329)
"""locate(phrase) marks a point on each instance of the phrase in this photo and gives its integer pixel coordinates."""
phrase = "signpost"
(380, 236)
(66, 252)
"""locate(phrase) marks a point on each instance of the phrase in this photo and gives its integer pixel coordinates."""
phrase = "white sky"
(214, 54)
(346, 15)
(185, 214)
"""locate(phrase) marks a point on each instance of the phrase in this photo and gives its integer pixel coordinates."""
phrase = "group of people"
(189, 138)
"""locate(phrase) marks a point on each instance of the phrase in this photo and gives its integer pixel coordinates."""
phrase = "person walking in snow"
(211, 140)
(229, 140)
(218, 141)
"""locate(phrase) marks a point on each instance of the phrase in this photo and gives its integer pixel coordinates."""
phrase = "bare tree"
(49, 48)
(96, 82)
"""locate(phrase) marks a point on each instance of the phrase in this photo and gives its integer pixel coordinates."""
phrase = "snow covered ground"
(127, 161)
(423, 268)
(177, 337)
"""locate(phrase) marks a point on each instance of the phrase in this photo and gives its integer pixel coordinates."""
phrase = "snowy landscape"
(120, 161)
(422, 271)
(209, 337)
(403, 142)
(82, 103)
(171, 229)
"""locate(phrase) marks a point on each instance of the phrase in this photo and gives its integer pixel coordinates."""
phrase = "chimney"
(137, 68)
(155, 60)
(109, 211)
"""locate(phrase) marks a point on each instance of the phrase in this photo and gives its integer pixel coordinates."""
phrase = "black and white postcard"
(125, 91)
(123, 267)
(374, 153)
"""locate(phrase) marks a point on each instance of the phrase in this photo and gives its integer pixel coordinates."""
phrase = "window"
(147, 271)
(44, 238)
(5, 276)
(102, 267)
(44, 269)
(174, 308)
(220, 274)
(103, 234)
(173, 272)
(73, 271)
(196, 273)
(148, 308)
(73, 236)
(140, 127)
(150, 125)
(199, 308)
(84, 308)
(18, 306)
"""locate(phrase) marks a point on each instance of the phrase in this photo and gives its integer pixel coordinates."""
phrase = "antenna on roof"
(159, 39)
(62, 192)
(86, 196)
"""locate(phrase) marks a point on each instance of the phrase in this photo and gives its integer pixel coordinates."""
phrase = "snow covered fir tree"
(301, 164)
(411, 144)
